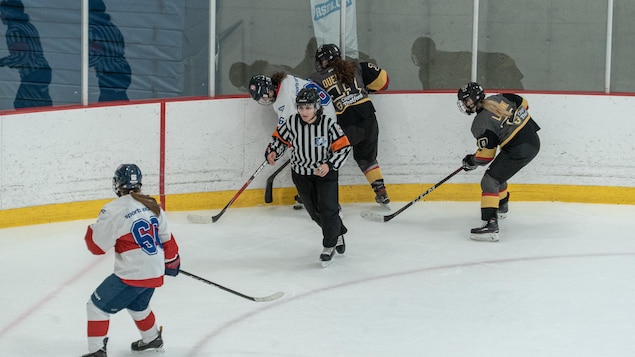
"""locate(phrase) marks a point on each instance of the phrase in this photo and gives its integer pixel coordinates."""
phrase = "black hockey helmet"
(262, 89)
(326, 52)
(470, 90)
(308, 96)
(127, 178)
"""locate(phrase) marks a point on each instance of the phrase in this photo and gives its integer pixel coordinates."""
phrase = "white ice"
(561, 282)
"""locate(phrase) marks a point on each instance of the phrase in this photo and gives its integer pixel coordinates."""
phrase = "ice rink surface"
(561, 282)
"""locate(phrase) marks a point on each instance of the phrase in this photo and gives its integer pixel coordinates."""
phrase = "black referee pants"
(320, 196)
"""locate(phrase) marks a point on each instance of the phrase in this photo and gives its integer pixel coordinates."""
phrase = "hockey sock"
(146, 323)
(98, 323)
(374, 174)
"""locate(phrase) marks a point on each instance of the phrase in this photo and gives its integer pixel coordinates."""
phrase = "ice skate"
(487, 233)
(381, 196)
(327, 256)
(503, 207)
(100, 352)
(154, 345)
(340, 247)
(298, 205)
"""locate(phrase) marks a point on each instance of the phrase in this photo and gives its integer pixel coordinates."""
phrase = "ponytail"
(497, 108)
(147, 201)
(344, 70)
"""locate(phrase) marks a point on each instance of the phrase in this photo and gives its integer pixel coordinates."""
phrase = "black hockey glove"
(468, 163)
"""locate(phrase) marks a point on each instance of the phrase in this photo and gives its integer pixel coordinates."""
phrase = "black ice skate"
(154, 345)
(487, 233)
(381, 196)
(503, 207)
(340, 247)
(99, 353)
(327, 256)
(298, 205)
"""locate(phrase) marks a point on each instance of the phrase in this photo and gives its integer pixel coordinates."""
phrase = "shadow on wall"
(240, 73)
(107, 54)
(25, 55)
(450, 70)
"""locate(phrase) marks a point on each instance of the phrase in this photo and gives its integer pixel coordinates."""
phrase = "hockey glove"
(173, 266)
(468, 163)
(268, 152)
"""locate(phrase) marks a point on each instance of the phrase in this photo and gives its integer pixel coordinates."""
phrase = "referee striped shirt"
(322, 141)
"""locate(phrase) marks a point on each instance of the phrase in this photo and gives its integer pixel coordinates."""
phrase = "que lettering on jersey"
(329, 81)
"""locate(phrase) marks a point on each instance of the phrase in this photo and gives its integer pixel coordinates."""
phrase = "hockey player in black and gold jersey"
(320, 148)
(348, 83)
(502, 120)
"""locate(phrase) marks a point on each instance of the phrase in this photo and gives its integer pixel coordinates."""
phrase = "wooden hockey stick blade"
(269, 186)
(375, 217)
(269, 192)
(197, 219)
(271, 297)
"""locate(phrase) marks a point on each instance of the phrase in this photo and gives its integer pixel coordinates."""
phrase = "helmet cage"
(473, 91)
(262, 90)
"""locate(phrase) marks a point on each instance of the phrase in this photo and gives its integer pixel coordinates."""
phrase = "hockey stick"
(376, 217)
(269, 187)
(252, 298)
(194, 218)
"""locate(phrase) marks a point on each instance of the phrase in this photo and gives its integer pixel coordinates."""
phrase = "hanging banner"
(326, 24)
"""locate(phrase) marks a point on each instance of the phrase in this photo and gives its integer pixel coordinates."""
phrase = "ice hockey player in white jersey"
(145, 250)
